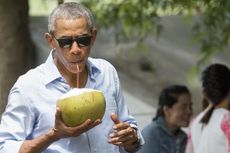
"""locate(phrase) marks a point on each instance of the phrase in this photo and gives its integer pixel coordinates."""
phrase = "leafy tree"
(133, 17)
(141, 17)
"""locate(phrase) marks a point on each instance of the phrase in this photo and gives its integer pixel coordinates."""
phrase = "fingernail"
(112, 135)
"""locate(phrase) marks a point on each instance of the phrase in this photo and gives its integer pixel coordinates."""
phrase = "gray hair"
(69, 11)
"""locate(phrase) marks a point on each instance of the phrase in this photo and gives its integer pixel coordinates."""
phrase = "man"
(31, 123)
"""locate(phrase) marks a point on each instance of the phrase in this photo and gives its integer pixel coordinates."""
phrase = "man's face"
(71, 54)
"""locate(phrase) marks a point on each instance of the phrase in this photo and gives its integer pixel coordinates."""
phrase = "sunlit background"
(151, 46)
(143, 72)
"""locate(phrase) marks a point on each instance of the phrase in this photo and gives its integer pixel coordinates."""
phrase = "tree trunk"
(17, 53)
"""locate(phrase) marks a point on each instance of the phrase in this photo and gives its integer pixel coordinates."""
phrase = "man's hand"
(63, 131)
(59, 131)
(123, 135)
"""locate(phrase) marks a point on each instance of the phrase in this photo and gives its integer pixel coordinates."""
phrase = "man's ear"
(94, 35)
(49, 40)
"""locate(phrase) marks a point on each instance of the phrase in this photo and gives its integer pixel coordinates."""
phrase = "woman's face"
(180, 113)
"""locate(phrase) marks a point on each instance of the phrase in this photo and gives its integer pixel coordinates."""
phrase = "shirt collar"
(162, 123)
(93, 69)
(51, 69)
(54, 74)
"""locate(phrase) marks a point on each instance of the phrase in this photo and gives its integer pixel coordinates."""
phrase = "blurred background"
(151, 43)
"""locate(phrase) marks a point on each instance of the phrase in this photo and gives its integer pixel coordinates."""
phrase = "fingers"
(118, 124)
(124, 137)
(115, 118)
(123, 141)
(86, 125)
(122, 133)
(58, 114)
(64, 131)
(97, 122)
(78, 130)
(129, 133)
(58, 118)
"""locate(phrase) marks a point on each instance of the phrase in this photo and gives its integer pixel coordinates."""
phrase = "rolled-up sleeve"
(10, 146)
(16, 124)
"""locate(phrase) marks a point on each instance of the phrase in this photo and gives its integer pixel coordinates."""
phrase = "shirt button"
(95, 150)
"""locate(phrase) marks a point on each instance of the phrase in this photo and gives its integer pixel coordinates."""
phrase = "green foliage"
(133, 17)
(138, 18)
(213, 31)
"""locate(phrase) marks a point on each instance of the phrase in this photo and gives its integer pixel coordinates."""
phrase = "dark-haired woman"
(207, 131)
(164, 134)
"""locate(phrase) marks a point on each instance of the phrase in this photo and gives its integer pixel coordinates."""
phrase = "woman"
(207, 131)
(189, 147)
(164, 134)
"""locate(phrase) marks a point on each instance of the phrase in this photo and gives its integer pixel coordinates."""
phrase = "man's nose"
(75, 49)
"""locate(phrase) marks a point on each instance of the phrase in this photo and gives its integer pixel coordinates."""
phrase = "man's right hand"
(59, 131)
(63, 131)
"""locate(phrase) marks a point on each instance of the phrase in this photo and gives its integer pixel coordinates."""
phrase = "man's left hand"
(123, 135)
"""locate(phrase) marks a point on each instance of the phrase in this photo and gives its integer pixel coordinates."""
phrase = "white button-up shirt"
(31, 108)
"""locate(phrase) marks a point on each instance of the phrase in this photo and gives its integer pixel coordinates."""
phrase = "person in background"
(189, 147)
(207, 130)
(31, 122)
(164, 133)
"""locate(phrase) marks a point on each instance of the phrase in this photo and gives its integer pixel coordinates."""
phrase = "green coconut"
(78, 105)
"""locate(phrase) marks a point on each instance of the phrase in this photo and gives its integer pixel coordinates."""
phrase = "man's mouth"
(76, 62)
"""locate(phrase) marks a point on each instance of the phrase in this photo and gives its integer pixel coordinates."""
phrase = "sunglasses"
(66, 42)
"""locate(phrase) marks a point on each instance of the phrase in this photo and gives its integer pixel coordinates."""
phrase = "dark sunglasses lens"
(67, 42)
(83, 41)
